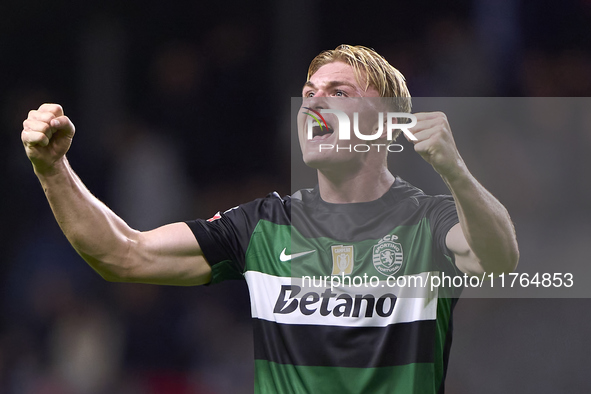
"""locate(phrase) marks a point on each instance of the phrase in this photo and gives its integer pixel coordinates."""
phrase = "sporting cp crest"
(342, 259)
(387, 255)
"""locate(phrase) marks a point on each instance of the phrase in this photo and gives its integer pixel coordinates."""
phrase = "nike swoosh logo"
(287, 257)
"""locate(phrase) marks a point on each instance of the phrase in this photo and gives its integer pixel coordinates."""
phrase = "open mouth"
(321, 133)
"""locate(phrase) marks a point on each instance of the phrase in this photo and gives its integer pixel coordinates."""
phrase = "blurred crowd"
(182, 110)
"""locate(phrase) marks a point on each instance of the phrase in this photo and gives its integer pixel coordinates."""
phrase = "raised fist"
(47, 135)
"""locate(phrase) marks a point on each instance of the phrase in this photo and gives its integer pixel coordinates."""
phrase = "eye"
(309, 93)
(340, 93)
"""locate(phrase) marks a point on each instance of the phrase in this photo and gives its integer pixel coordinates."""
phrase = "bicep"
(466, 260)
(168, 255)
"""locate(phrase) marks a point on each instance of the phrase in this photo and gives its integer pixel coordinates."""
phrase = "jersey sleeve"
(222, 241)
(224, 238)
(443, 216)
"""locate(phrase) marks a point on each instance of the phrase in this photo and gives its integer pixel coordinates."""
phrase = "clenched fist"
(435, 143)
(47, 135)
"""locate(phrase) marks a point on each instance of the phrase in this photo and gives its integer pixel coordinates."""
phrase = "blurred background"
(181, 110)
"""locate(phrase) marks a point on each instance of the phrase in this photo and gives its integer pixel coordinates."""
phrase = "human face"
(334, 86)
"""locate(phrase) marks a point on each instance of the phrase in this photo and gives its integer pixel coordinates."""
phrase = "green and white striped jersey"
(374, 333)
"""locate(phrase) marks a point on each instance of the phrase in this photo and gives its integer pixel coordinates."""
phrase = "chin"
(316, 159)
(325, 161)
(313, 161)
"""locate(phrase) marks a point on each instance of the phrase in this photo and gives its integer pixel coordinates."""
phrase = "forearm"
(485, 222)
(103, 239)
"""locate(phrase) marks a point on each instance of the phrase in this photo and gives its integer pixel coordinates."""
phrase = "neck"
(361, 186)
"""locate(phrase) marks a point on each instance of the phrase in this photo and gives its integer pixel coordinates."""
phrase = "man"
(359, 220)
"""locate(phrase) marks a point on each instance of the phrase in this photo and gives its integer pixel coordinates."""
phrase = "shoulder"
(402, 190)
(272, 207)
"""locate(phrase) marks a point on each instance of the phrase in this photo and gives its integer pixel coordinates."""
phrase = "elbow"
(116, 266)
(128, 265)
(119, 272)
(109, 272)
(111, 277)
(502, 261)
(506, 263)
(513, 260)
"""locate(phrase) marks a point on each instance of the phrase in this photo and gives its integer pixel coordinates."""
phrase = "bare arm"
(166, 255)
(484, 240)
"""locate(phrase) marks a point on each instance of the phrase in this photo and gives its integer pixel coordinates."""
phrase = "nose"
(317, 102)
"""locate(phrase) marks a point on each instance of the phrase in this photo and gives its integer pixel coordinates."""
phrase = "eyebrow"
(329, 85)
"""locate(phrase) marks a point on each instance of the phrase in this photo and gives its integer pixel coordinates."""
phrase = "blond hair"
(388, 81)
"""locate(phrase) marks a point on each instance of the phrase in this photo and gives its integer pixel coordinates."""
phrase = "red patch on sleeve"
(215, 217)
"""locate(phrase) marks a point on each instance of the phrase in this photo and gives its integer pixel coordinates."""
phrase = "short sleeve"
(221, 240)
(225, 237)
(442, 217)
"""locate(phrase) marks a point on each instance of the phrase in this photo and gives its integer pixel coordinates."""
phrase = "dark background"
(180, 110)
